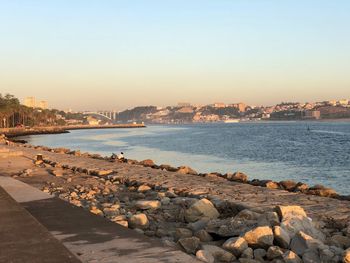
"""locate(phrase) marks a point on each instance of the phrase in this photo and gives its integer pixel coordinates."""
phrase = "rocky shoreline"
(211, 229)
(288, 185)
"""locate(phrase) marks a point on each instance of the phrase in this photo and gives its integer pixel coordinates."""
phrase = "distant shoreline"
(16, 132)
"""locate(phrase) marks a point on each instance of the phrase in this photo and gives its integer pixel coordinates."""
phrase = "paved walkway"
(92, 238)
(24, 239)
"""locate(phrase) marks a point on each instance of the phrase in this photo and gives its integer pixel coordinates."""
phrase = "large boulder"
(238, 177)
(235, 226)
(320, 190)
(294, 219)
(302, 242)
(147, 163)
(288, 185)
(139, 221)
(218, 253)
(186, 170)
(200, 209)
(260, 237)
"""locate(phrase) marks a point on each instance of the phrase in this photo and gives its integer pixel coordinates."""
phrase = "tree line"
(14, 114)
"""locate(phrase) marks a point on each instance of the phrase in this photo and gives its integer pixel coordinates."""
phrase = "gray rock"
(274, 252)
(248, 260)
(340, 241)
(236, 245)
(198, 225)
(326, 255)
(269, 219)
(235, 226)
(291, 257)
(182, 233)
(282, 237)
(161, 232)
(203, 236)
(248, 253)
(218, 253)
(259, 254)
(302, 242)
(165, 201)
(190, 244)
(200, 209)
(311, 256)
(205, 256)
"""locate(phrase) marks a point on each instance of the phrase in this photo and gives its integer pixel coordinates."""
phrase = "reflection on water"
(276, 151)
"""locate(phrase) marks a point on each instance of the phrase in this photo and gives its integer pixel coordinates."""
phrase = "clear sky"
(87, 54)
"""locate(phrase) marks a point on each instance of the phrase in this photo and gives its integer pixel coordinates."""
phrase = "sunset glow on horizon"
(120, 54)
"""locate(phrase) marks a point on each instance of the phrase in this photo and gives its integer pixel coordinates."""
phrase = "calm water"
(274, 151)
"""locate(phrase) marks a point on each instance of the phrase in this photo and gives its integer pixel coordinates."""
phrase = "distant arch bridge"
(108, 115)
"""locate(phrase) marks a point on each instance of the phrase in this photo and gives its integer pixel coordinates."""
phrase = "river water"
(311, 152)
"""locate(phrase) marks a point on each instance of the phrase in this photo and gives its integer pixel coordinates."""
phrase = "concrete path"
(24, 239)
(92, 238)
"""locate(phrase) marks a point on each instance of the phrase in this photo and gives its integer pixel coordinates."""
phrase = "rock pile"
(240, 177)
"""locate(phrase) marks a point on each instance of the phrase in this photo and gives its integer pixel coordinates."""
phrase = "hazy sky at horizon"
(118, 54)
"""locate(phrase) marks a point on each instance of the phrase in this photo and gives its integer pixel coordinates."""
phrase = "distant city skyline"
(89, 55)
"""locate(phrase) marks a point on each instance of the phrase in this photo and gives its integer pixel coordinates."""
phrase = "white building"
(30, 102)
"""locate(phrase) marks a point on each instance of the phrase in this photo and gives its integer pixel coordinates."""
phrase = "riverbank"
(198, 214)
(15, 132)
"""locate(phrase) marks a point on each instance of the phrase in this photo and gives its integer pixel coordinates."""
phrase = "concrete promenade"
(23, 238)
